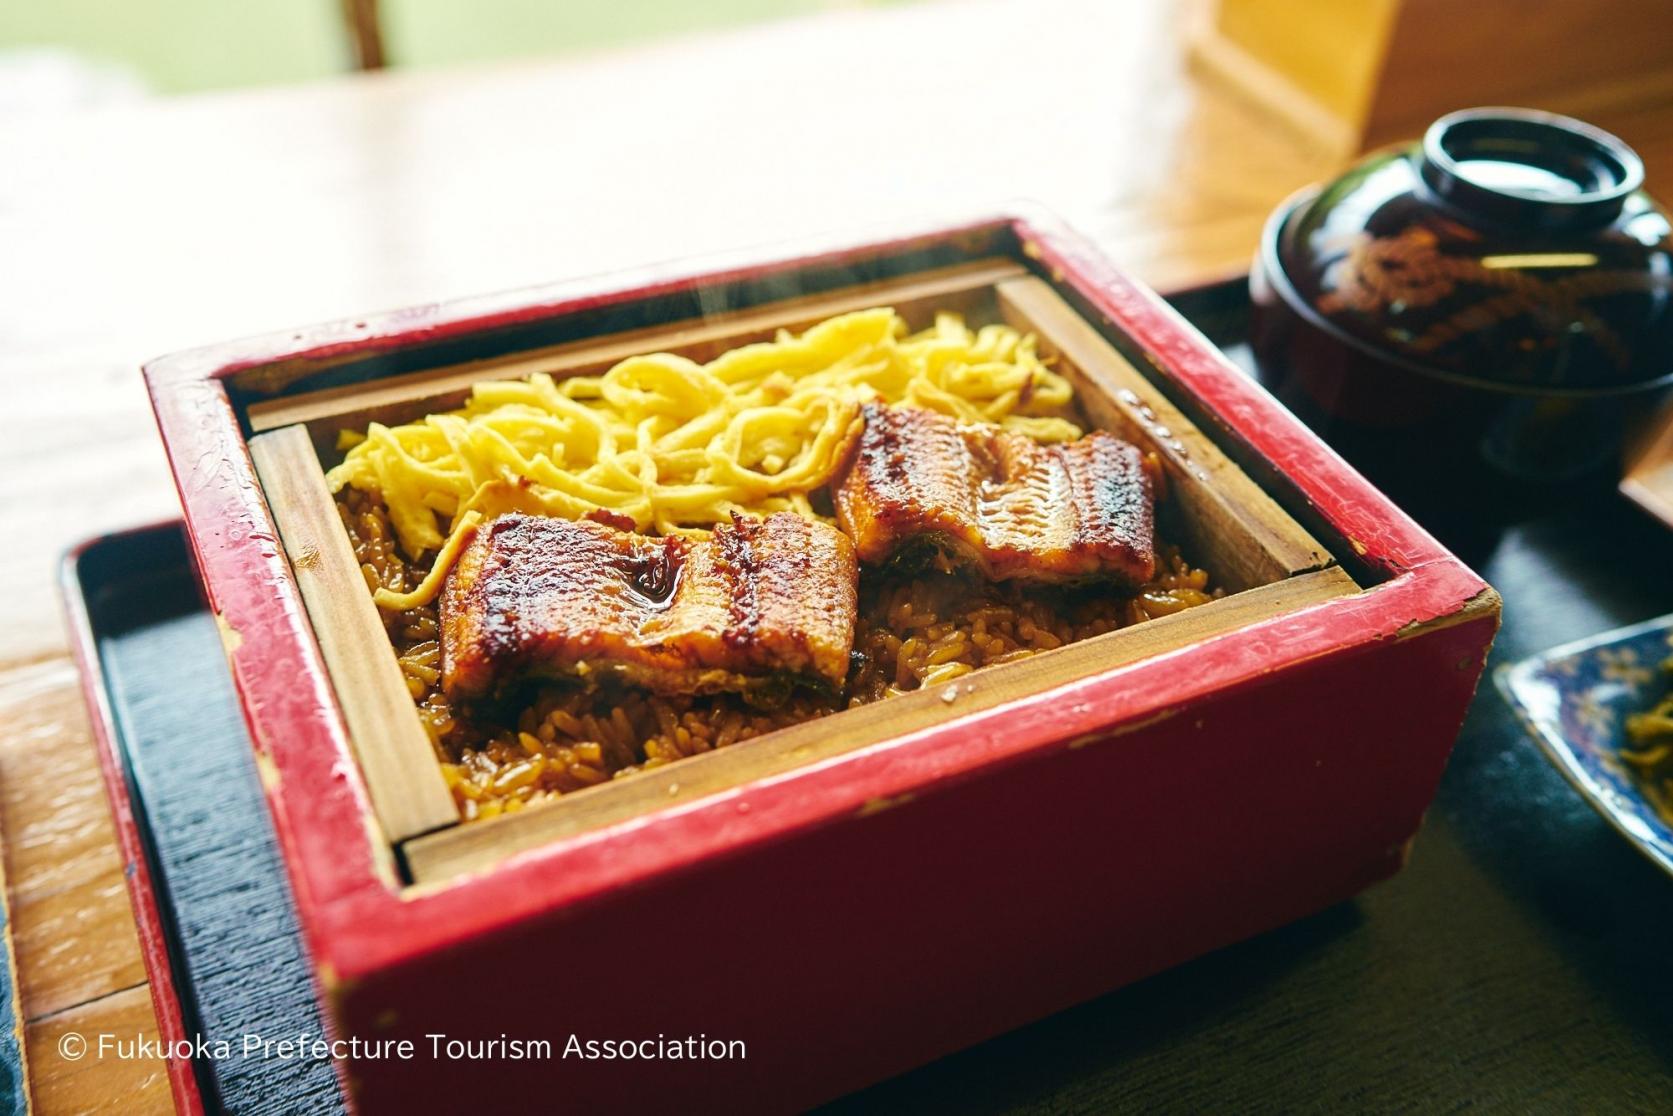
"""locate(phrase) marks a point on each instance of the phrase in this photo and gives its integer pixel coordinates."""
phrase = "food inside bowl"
(1650, 747)
(587, 577)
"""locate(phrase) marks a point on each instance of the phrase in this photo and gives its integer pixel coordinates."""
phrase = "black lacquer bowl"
(1474, 319)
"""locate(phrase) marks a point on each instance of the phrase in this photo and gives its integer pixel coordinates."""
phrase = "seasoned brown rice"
(915, 630)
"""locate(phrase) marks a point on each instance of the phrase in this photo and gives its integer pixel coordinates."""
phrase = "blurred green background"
(189, 45)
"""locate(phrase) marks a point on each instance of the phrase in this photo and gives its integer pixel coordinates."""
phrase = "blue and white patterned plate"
(1575, 700)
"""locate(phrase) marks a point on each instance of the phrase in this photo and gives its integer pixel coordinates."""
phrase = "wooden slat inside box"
(408, 793)
(1268, 563)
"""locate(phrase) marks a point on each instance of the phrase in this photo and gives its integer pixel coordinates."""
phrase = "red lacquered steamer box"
(853, 896)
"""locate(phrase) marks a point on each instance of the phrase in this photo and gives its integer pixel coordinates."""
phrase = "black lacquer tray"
(214, 864)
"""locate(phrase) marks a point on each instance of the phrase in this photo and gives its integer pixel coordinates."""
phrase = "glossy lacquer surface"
(1476, 321)
(1527, 257)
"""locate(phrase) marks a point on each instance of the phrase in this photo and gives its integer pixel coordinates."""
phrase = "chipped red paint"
(1034, 855)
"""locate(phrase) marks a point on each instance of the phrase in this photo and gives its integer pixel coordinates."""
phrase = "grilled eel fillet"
(1011, 506)
(756, 605)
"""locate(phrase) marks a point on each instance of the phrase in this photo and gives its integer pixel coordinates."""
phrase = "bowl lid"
(1526, 168)
(1508, 246)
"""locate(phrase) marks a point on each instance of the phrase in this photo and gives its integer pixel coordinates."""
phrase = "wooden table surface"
(132, 231)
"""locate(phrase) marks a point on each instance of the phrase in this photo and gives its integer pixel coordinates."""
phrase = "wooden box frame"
(1341, 599)
(1265, 557)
